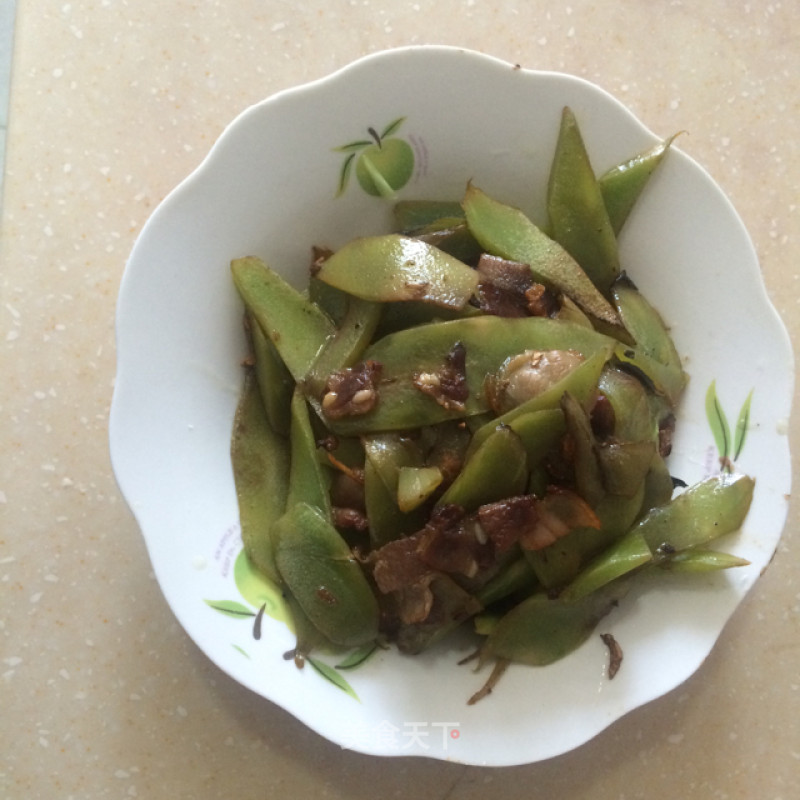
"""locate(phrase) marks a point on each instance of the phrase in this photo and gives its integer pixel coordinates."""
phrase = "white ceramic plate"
(269, 187)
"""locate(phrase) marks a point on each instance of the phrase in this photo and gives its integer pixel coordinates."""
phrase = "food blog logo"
(385, 735)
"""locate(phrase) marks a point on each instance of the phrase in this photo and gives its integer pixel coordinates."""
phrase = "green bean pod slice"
(324, 577)
(497, 469)
(578, 217)
(399, 268)
(541, 630)
(309, 479)
(634, 418)
(295, 325)
(413, 216)
(260, 461)
(645, 324)
(625, 555)
(386, 521)
(701, 561)
(386, 455)
(711, 508)
(346, 346)
(274, 380)
(622, 185)
(558, 564)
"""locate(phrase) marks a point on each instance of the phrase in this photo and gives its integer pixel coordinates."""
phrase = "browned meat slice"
(505, 521)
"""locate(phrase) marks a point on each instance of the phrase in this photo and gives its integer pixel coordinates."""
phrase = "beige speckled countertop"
(112, 103)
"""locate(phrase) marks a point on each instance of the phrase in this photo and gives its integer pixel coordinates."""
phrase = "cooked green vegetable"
(497, 469)
(415, 485)
(345, 346)
(260, 460)
(579, 220)
(413, 216)
(309, 479)
(297, 327)
(274, 380)
(316, 564)
(621, 185)
(469, 419)
(400, 268)
(412, 356)
(541, 629)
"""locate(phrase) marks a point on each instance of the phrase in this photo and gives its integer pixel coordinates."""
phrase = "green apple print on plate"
(259, 592)
(383, 163)
(263, 597)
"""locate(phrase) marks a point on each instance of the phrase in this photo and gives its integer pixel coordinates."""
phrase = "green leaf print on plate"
(730, 443)
(330, 674)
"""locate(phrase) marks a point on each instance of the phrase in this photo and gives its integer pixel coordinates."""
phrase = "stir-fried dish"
(466, 422)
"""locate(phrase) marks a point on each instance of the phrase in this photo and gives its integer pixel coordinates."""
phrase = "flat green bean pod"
(324, 577)
(399, 268)
(579, 220)
(541, 629)
(309, 480)
(346, 345)
(274, 380)
(297, 327)
(622, 184)
(649, 332)
(413, 216)
(260, 461)
(497, 469)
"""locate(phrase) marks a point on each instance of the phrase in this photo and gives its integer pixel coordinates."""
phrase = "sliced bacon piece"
(501, 302)
(505, 521)
(509, 275)
(508, 289)
(398, 564)
(453, 543)
(560, 511)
